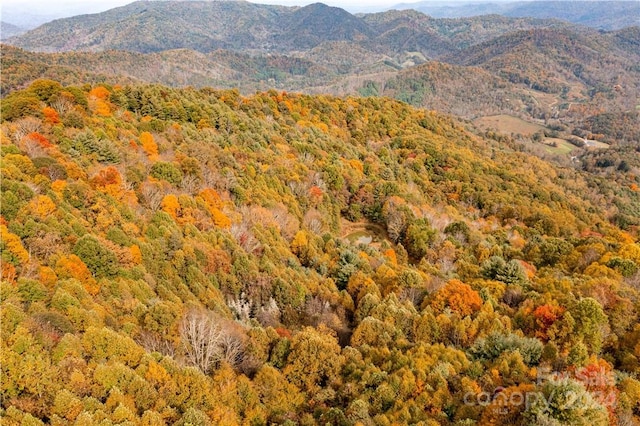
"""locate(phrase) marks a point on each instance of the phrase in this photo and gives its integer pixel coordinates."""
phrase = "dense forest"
(195, 256)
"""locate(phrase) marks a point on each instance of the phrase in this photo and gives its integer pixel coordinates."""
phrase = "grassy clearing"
(508, 124)
(544, 99)
(561, 146)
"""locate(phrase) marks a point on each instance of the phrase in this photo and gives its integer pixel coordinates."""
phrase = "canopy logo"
(591, 387)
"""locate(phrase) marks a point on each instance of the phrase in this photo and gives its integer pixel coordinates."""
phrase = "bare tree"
(190, 184)
(287, 222)
(307, 159)
(316, 180)
(208, 339)
(62, 105)
(232, 349)
(152, 342)
(24, 126)
(396, 219)
(32, 147)
(313, 221)
(269, 314)
(245, 237)
(152, 195)
(202, 340)
(412, 294)
(299, 189)
(241, 307)
(44, 244)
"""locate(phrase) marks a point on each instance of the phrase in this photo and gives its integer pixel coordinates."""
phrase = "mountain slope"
(8, 30)
(588, 72)
(20, 68)
(462, 91)
(575, 77)
(312, 25)
(206, 26)
(448, 35)
(338, 259)
(181, 67)
(142, 27)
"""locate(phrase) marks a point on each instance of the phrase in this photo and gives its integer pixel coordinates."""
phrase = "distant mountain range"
(538, 69)
(29, 14)
(607, 15)
(601, 14)
(8, 30)
(208, 26)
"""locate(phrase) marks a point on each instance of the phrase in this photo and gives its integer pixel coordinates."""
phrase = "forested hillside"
(206, 26)
(586, 82)
(561, 76)
(195, 256)
(8, 30)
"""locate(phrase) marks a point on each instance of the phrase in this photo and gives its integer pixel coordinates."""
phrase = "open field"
(508, 124)
(561, 146)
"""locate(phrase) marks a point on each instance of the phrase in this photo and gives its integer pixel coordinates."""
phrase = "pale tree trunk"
(202, 339)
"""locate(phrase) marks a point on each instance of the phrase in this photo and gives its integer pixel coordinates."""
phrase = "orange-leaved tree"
(457, 296)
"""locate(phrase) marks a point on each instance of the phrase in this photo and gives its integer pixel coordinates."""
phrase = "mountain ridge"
(606, 15)
(206, 26)
(548, 72)
(8, 30)
(577, 72)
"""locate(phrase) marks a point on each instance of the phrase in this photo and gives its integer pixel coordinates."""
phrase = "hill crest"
(206, 26)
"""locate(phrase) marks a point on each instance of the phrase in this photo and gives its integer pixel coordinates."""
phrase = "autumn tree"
(100, 260)
(457, 296)
(565, 401)
(591, 323)
(314, 360)
(418, 238)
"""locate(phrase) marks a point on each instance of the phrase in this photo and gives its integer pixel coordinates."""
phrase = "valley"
(538, 70)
